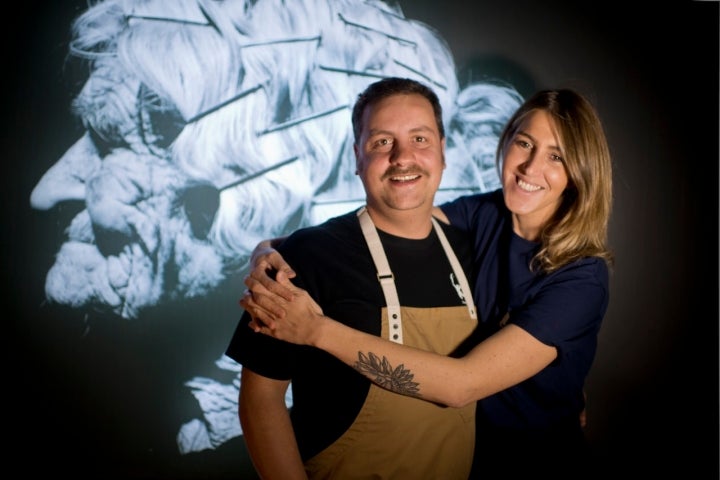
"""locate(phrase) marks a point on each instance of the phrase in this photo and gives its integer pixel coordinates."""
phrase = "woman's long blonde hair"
(579, 227)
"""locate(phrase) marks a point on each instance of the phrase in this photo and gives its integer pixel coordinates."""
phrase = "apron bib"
(400, 437)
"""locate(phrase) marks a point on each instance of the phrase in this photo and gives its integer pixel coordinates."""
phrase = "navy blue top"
(563, 309)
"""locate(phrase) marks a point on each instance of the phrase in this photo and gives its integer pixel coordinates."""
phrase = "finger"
(256, 325)
(253, 284)
(260, 252)
(265, 331)
(284, 281)
(261, 319)
(272, 305)
(259, 315)
(278, 263)
(299, 293)
(266, 257)
(262, 283)
(259, 281)
(246, 301)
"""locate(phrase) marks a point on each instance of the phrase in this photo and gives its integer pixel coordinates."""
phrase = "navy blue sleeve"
(566, 305)
(462, 212)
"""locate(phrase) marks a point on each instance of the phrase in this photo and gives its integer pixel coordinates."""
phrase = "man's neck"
(413, 224)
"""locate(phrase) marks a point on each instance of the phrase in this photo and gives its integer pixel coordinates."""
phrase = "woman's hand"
(265, 261)
(297, 320)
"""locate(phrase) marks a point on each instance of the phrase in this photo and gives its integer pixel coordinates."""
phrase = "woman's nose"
(530, 164)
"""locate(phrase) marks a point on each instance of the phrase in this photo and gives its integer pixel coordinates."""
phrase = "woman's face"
(533, 174)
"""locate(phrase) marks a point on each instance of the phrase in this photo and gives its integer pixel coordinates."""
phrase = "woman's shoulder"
(480, 210)
(478, 200)
(592, 269)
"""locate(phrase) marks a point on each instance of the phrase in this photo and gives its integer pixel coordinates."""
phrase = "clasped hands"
(278, 308)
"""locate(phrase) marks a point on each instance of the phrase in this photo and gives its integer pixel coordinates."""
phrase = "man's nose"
(402, 153)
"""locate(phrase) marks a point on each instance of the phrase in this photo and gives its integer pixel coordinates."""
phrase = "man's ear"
(357, 158)
(442, 150)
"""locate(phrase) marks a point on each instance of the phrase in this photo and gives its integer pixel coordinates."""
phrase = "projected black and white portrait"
(210, 125)
(151, 144)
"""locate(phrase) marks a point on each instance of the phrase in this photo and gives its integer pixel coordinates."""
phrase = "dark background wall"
(81, 405)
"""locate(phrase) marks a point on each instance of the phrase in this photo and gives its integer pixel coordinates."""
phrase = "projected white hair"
(211, 125)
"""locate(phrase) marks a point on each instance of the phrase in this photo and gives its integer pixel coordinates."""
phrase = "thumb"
(281, 276)
(283, 279)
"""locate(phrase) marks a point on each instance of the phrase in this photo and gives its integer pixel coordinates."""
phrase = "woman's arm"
(501, 361)
(265, 260)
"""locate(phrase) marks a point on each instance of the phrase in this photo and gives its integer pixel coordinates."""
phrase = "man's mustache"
(399, 172)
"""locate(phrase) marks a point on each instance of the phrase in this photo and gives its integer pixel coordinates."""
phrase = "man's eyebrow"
(422, 128)
(419, 128)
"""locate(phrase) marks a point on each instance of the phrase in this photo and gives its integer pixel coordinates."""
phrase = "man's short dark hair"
(393, 86)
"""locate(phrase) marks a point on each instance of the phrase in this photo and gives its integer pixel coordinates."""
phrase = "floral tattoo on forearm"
(398, 380)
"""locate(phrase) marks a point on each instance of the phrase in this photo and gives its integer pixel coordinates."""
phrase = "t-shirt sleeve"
(260, 353)
(263, 354)
(569, 306)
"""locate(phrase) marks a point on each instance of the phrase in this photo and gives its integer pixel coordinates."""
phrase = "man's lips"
(404, 178)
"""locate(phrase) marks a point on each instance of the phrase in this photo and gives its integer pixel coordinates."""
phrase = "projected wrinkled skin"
(210, 125)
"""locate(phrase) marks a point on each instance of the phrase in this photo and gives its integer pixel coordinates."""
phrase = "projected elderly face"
(146, 233)
(187, 163)
(211, 125)
(198, 144)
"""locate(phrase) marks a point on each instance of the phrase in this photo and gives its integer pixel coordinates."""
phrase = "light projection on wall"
(210, 125)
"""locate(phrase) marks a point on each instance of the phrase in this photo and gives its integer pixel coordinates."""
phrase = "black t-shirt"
(333, 263)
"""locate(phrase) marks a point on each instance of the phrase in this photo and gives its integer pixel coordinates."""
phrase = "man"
(386, 269)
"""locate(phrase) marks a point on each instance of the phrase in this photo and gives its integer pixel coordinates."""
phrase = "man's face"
(399, 155)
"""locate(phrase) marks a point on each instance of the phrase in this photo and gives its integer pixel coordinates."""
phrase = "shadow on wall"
(497, 69)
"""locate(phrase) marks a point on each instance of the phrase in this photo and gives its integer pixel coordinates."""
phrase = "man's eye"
(420, 139)
(383, 143)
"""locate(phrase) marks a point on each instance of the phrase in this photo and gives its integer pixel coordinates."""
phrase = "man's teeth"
(405, 178)
(528, 187)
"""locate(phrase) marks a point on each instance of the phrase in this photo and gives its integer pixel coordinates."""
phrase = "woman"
(541, 290)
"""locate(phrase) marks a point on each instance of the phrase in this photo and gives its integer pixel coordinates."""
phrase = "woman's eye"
(556, 158)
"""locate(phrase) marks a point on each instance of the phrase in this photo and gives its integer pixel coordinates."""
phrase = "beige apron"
(396, 436)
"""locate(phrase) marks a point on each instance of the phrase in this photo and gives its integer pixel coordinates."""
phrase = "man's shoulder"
(333, 231)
